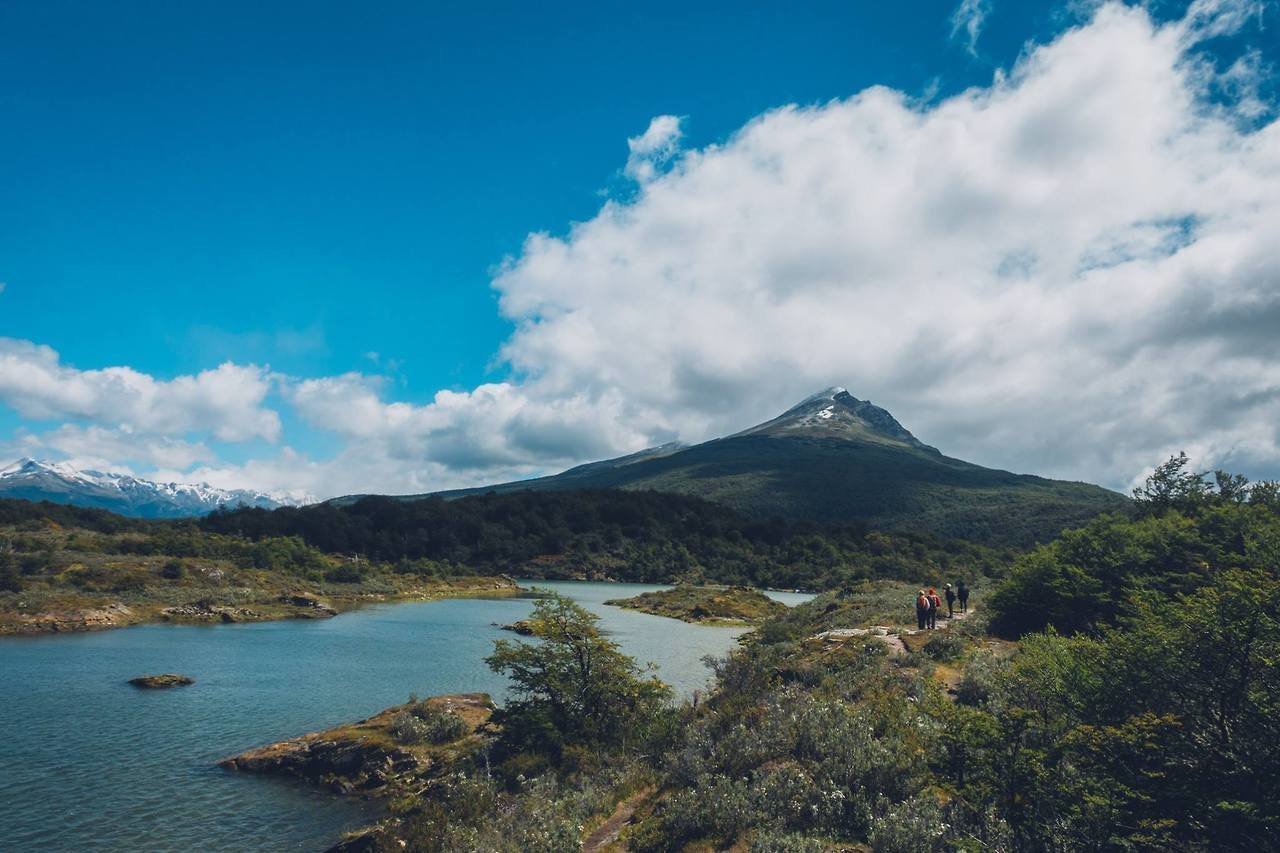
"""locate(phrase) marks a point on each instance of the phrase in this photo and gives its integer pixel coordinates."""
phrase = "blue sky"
(327, 192)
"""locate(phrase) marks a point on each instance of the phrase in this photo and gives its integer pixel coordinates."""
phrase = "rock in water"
(157, 682)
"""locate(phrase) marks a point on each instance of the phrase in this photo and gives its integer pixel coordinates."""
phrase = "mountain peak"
(835, 413)
(825, 394)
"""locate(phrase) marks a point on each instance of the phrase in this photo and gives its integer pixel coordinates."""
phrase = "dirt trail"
(605, 836)
(898, 639)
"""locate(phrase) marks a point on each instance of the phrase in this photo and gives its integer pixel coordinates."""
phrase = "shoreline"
(121, 613)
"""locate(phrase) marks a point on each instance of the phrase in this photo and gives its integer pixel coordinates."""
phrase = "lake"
(89, 763)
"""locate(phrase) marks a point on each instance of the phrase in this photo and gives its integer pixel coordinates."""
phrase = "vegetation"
(736, 605)
(427, 722)
(67, 568)
(1155, 727)
(632, 536)
(401, 749)
(1185, 530)
(888, 485)
(573, 688)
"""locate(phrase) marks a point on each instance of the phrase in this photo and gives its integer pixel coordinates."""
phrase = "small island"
(161, 682)
(707, 605)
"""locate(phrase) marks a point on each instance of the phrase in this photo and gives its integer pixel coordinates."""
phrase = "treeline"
(633, 536)
(19, 513)
(1186, 528)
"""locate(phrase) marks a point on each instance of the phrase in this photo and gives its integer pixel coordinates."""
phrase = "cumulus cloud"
(495, 427)
(1072, 271)
(116, 450)
(226, 401)
(653, 149)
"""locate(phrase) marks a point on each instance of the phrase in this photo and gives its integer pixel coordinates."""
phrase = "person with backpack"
(923, 606)
(936, 603)
(963, 593)
(951, 601)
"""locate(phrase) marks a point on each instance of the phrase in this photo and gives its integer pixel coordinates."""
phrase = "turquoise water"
(90, 763)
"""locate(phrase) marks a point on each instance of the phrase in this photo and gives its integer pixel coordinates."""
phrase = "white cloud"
(1073, 271)
(653, 149)
(969, 18)
(226, 401)
(103, 449)
(496, 427)
(1206, 19)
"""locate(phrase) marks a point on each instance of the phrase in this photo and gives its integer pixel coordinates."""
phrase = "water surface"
(90, 763)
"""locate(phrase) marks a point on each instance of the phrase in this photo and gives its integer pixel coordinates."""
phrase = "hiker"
(923, 606)
(963, 592)
(937, 605)
(951, 601)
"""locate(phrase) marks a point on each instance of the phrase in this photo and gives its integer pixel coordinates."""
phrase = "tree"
(1233, 488)
(574, 686)
(1172, 486)
(10, 579)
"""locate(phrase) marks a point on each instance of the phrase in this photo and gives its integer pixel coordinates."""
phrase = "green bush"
(346, 573)
(913, 826)
(944, 646)
(978, 681)
(10, 579)
(425, 723)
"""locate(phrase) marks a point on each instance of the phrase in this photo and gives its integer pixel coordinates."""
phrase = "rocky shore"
(372, 757)
(76, 613)
(162, 682)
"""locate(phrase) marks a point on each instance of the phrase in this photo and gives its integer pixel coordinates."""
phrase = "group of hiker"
(928, 603)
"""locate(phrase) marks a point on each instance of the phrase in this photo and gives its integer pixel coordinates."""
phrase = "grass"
(735, 605)
(75, 579)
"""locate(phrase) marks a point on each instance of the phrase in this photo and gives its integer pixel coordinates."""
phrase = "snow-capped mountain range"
(59, 482)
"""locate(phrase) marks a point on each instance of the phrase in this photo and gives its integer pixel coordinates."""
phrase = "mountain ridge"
(58, 482)
(834, 458)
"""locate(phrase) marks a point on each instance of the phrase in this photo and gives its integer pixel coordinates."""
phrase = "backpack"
(935, 601)
(924, 603)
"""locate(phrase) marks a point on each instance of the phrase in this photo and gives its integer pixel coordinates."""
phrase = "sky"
(322, 249)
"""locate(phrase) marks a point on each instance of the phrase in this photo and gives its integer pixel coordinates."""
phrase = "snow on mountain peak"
(825, 394)
(124, 493)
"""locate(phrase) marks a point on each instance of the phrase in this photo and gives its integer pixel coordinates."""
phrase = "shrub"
(770, 841)
(173, 570)
(10, 581)
(424, 723)
(979, 679)
(944, 646)
(346, 573)
(912, 826)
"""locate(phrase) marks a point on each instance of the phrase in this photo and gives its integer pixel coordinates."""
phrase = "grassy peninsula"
(402, 747)
(70, 569)
(735, 605)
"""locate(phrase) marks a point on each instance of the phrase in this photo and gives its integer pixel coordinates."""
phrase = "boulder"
(161, 682)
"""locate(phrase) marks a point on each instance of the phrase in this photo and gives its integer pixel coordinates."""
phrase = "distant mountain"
(835, 458)
(35, 480)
